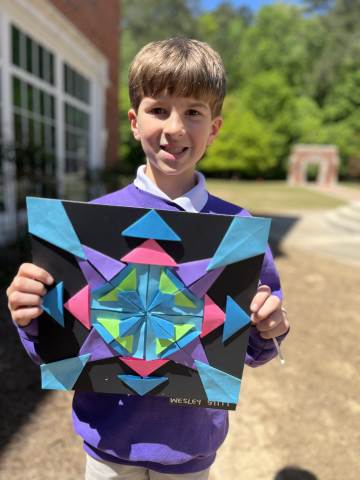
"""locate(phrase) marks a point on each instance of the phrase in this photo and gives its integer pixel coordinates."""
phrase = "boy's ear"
(132, 116)
(215, 128)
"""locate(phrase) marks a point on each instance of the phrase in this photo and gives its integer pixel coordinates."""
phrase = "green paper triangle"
(166, 285)
(111, 296)
(162, 344)
(110, 325)
(129, 282)
(126, 342)
(181, 330)
(182, 300)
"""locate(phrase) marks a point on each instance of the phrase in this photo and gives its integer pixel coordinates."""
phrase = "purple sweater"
(148, 431)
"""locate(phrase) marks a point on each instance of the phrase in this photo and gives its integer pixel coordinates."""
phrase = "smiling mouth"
(173, 150)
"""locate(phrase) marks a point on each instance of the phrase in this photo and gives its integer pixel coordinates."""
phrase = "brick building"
(58, 96)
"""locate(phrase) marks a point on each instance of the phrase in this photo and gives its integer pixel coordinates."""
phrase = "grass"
(351, 184)
(271, 196)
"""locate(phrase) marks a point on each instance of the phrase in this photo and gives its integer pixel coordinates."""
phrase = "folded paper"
(245, 238)
(63, 374)
(151, 225)
(219, 386)
(48, 220)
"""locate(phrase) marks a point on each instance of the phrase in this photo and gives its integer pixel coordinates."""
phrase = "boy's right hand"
(25, 293)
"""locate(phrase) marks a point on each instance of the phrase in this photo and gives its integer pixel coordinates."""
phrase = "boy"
(177, 87)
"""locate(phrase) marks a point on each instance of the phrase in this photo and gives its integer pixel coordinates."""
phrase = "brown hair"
(180, 67)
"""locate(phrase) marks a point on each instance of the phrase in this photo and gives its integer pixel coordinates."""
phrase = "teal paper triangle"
(48, 220)
(219, 386)
(235, 319)
(246, 237)
(161, 327)
(53, 303)
(151, 225)
(131, 325)
(62, 375)
(142, 385)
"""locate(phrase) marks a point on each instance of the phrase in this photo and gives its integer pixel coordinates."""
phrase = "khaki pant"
(101, 470)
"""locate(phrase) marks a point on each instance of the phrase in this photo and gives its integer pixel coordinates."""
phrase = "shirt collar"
(192, 201)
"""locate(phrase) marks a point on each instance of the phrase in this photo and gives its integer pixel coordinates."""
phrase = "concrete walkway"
(334, 233)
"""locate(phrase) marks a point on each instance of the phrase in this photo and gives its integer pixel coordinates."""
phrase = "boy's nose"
(174, 125)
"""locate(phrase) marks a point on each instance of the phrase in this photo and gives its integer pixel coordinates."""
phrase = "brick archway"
(325, 156)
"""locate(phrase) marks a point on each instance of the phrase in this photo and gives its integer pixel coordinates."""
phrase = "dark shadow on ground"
(294, 473)
(281, 225)
(19, 377)
(19, 391)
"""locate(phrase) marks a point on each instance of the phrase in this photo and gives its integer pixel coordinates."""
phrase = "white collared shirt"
(192, 201)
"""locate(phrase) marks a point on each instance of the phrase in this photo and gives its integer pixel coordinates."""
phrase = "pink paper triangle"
(79, 306)
(143, 367)
(149, 253)
(213, 317)
(107, 266)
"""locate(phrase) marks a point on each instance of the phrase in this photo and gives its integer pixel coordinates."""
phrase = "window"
(76, 138)
(77, 120)
(76, 84)
(32, 57)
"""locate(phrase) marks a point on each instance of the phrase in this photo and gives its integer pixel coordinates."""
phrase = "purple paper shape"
(190, 272)
(188, 354)
(93, 278)
(95, 345)
(107, 266)
(200, 287)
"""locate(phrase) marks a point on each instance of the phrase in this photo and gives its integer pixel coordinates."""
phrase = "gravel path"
(305, 413)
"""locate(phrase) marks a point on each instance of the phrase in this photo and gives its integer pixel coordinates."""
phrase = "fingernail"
(49, 280)
(254, 307)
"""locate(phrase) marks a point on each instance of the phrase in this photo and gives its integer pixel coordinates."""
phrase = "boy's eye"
(158, 111)
(194, 113)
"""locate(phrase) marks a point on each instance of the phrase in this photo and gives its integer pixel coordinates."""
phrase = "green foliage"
(244, 145)
(293, 77)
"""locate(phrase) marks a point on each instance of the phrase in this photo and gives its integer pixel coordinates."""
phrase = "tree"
(244, 144)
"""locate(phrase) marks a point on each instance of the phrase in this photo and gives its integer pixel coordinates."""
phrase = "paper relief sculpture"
(146, 302)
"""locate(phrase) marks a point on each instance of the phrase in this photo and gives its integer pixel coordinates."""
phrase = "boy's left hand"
(267, 315)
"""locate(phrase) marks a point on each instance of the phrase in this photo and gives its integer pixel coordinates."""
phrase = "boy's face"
(174, 132)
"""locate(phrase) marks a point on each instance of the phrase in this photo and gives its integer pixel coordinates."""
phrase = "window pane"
(29, 66)
(15, 38)
(16, 92)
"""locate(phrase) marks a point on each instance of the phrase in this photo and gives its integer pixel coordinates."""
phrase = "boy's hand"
(267, 315)
(25, 293)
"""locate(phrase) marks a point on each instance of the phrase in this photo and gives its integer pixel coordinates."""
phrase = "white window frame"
(47, 26)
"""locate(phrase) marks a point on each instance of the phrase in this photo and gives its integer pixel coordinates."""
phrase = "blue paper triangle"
(53, 303)
(48, 220)
(236, 318)
(219, 386)
(62, 375)
(161, 327)
(246, 237)
(130, 326)
(151, 225)
(142, 385)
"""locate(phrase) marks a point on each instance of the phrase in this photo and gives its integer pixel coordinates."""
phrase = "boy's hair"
(180, 67)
